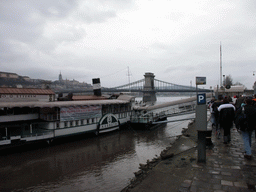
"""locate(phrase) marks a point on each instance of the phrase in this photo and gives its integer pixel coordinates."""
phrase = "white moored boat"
(28, 115)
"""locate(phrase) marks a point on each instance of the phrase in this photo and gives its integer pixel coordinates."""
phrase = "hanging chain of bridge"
(137, 85)
(159, 86)
(162, 85)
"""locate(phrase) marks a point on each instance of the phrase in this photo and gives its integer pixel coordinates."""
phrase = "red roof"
(26, 91)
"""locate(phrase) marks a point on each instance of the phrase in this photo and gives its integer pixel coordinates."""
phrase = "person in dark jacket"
(215, 106)
(226, 118)
(212, 119)
(239, 101)
(250, 113)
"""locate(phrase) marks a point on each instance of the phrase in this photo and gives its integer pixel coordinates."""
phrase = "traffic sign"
(200, 80)
(201, 99)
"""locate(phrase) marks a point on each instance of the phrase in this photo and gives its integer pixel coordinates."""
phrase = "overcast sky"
(176, 40)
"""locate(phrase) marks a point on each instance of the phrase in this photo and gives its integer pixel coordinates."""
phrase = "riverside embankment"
(177, 168)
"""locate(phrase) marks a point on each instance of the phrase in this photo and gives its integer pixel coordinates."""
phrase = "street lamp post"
(254, 87)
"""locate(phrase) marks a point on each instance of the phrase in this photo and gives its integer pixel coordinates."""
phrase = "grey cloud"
(161, 46)
(124, 4)
(171, 68)
(25, 20)
(94, 15)
(17, 24)
(22, 23)
(51, 8)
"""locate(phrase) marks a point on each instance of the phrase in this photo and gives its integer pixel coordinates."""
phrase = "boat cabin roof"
(33, 104)
(24, 91)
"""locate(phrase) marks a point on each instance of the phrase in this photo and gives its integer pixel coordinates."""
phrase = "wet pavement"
(225, 169)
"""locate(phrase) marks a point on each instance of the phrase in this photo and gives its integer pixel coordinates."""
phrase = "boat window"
(57, 125)
(104, 109)
(82, 121)
(88, 121)
(26, 127)
(77, 122)
(121, 108)
(65, 124)
(71, 123)
(35, 126)
(92, 120)
(9, 111)
(2, 111)
(49, 117)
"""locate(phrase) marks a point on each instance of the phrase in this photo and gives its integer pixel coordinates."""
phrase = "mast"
(129, 79)
(220, 66)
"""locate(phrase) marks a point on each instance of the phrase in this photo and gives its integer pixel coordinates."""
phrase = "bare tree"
(228, 80)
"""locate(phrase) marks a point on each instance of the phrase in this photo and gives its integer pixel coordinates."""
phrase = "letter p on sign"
(201, 99)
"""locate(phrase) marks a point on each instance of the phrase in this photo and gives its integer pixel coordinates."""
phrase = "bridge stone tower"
(149, 93)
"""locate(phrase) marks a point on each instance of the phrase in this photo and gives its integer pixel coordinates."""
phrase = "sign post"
(201, 121)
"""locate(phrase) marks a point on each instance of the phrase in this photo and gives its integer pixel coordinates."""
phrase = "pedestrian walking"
(254, 100)
(254, 105)
(230, 99)
(226, 118)
(240, 99)
(245, 120)
(215, 106)
(212, 119)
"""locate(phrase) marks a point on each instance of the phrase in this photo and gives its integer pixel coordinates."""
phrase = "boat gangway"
(157, 114)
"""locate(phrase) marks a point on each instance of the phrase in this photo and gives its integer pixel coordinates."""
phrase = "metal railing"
(32, 136)
(38, 136)
(153, 116)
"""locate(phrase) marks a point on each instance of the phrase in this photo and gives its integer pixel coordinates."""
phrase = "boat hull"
(149, 125)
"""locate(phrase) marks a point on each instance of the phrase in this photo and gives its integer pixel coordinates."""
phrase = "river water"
(88, 163)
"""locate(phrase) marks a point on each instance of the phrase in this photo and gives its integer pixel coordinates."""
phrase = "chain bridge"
(155, 84)
(149, 113)
(159, 86)
(149, 86)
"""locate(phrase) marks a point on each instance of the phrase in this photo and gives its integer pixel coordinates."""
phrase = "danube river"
(89, 163)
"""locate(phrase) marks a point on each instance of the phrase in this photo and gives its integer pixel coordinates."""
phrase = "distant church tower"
(60, 77)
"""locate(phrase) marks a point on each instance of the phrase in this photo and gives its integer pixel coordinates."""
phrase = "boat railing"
(39, 135)
(28, 137)
(147, 118)
(181, 108)
(152, 116)
(4, 138)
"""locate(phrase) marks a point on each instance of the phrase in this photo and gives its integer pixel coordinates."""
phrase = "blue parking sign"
(201, 99)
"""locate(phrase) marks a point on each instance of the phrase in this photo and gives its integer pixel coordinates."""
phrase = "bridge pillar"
(149, 93)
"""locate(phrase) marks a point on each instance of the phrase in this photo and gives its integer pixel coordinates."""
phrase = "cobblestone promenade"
(225, 169)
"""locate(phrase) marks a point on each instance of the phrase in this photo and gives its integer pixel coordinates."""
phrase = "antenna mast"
(129, 75)
(220, 66)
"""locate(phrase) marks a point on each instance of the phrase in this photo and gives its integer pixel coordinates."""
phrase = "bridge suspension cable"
(159, 86)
